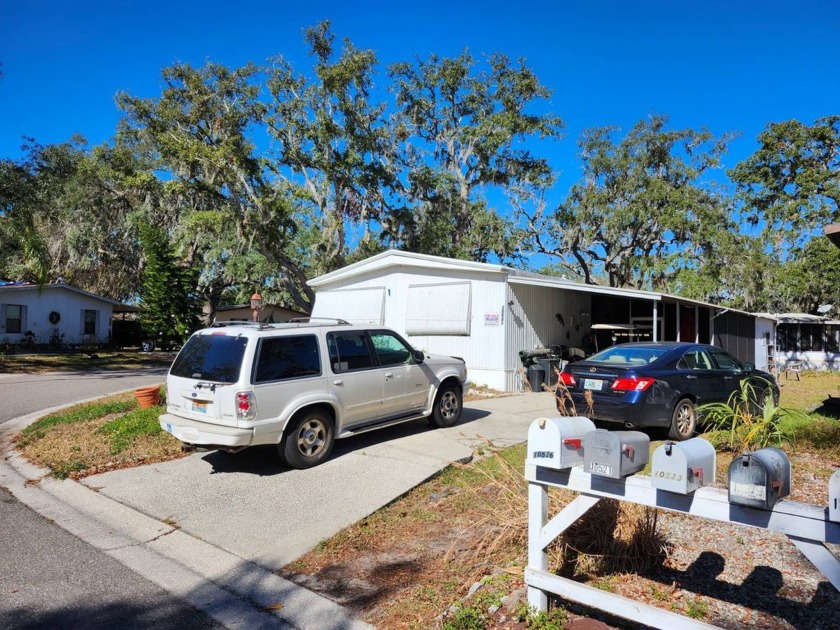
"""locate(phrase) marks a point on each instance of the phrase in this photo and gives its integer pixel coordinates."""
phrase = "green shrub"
(750, 419)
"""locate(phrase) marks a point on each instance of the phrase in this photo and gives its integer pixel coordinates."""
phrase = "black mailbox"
(759, 479)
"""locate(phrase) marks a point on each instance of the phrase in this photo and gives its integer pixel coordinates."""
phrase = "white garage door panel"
(438, 309)
(357, 306)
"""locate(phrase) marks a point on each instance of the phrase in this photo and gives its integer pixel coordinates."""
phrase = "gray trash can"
(536, 377)
(548, 365)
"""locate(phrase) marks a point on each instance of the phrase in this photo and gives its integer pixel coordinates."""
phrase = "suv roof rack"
(312, 320)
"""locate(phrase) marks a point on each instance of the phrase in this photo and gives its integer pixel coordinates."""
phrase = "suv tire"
(448, 406)
(308, 440)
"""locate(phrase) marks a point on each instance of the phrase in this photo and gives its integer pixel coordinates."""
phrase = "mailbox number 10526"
(600, 469)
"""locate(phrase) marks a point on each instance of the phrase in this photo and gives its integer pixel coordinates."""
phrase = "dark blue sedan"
(659, 384)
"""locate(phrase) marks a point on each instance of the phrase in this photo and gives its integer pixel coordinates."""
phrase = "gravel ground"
(743, 577)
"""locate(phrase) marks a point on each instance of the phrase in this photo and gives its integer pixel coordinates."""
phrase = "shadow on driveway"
(264, 461)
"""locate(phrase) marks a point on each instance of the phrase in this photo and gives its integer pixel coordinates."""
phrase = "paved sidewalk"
(213, 528)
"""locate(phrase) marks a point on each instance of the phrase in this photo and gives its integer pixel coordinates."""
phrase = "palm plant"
(750, 419)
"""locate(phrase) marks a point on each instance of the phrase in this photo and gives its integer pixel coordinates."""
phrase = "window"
(89, 322)
(390, 350)
(788, 336)
(638, 356)
(14, 318)
(283, 358)
(349, 352)
(438, 309)
(215, 358)
(726, 361)
(831, 341)
(695, 360)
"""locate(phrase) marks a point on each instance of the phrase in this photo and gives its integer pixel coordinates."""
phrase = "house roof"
(7, 288)
(799, 318)
(396, 258)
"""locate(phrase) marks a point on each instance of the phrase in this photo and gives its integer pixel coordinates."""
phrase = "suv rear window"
(288, 357)
(214, 357)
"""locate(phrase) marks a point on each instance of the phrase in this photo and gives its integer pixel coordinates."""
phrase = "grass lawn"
(83, 362)
(95, 437)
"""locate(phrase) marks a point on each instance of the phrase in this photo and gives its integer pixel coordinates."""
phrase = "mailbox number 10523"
(600, 469)
(665, 474)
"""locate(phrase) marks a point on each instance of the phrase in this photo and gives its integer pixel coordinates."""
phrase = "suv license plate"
(593, 383)
(199, 407)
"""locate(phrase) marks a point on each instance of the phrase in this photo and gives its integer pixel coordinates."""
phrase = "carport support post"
(537, 555)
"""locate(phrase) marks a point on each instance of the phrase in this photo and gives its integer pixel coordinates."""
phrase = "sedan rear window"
(628, 356)
(214, 357)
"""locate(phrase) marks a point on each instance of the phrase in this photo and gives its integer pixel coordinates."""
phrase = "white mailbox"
(682, 467)
(557, 442)
(615, 454)
(834, 497)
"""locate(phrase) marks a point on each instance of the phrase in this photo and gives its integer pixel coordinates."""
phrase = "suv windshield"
(211, 357)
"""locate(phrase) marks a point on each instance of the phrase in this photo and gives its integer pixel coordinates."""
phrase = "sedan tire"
(683, 421)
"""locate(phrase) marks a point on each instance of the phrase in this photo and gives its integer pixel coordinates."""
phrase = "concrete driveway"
(250, 505)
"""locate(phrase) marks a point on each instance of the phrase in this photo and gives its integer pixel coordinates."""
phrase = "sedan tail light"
(568, 379)
(246, 406)
(632, 383)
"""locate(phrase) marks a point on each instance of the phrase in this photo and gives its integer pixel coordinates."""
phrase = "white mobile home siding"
(482, 349)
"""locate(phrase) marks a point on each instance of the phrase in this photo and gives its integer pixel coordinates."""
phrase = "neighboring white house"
(55, 312)
(488, 313)
(810, 340)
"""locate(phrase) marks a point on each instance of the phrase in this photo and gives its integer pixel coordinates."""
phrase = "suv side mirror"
(419, 356)
(749, 367)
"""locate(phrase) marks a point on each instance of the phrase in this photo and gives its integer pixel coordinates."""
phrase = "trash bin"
(536, 377)
(548, 365)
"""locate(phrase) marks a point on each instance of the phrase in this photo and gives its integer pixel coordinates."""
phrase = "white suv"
(301, 385)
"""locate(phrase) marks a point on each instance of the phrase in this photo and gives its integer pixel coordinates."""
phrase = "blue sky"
(726, 65)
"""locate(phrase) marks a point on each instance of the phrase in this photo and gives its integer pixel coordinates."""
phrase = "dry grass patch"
(93, 438)
(405, 565)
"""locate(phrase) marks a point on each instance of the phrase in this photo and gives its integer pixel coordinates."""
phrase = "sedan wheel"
(683, 420)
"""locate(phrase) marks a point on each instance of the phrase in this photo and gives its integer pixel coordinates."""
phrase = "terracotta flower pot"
(147, 396)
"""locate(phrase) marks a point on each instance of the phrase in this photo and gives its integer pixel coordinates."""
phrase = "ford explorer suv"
(302, 385)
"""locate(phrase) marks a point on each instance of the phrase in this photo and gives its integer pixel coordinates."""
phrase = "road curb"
(235, 592)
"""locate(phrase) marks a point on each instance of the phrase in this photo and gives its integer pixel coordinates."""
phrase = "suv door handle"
(690, 377)
(389, 375)
(338, 381)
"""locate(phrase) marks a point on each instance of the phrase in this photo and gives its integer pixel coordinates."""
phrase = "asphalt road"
(48, 577)
(22, 394)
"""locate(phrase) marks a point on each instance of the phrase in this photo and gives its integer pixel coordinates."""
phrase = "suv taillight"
(246, 406)
(632, 384)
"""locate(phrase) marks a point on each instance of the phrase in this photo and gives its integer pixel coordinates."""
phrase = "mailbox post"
(834, 497)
